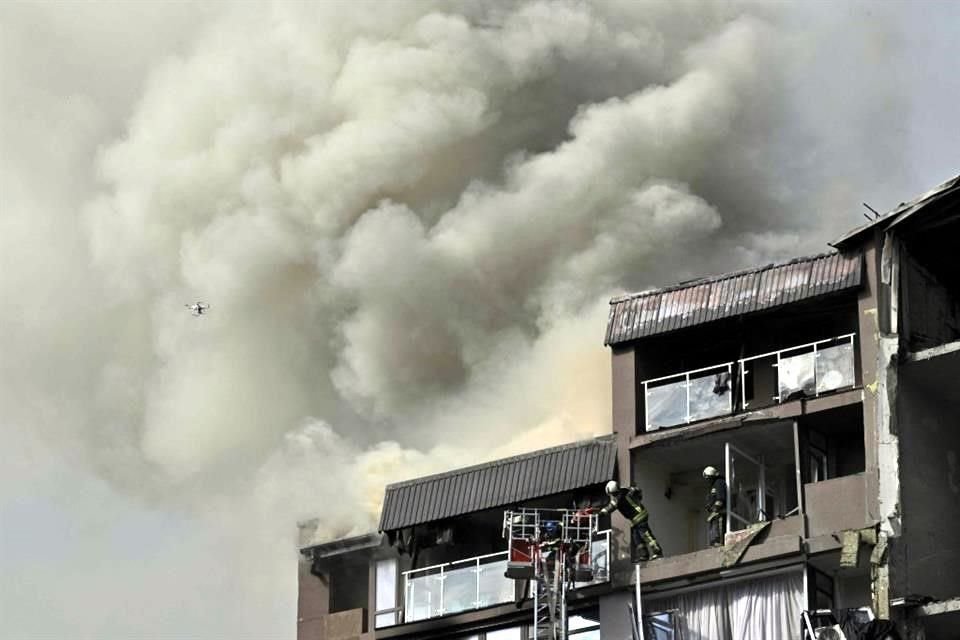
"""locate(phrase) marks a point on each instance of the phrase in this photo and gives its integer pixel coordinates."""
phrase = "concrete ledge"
(934, 352)
(773, 413)
(709, 560)
(824, 543)
(936, 608)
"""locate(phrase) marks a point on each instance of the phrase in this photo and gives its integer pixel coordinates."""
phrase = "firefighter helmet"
(710, 472)
(612, 487)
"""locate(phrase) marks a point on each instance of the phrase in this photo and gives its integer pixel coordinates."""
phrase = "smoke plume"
(407, 218)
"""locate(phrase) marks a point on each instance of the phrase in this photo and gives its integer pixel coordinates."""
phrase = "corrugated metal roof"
(902, 212)
(498, 483)
(699, 301)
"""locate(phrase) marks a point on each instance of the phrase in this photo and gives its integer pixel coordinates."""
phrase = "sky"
(408, 219)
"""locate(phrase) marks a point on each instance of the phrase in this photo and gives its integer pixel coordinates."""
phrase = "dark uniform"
(628, 501)
(716, 506)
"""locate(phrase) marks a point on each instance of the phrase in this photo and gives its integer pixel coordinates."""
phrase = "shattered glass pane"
(710, 395)
(796, 377)
(835, 367)
(666, 405)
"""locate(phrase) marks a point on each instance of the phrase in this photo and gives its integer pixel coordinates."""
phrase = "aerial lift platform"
(550, 548)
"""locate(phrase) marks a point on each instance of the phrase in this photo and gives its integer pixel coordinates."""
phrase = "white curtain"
(702, 613)
(768, 608)
(762, 608)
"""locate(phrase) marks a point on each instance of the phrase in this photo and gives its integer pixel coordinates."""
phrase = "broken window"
(662, 625)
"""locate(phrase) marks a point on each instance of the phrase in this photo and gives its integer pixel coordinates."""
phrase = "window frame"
(397, 609)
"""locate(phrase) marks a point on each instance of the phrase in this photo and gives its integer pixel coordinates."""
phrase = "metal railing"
(452, 587)
(600, 558)
(478, 582)
(805, 370)
(815, 368)
(695, 395)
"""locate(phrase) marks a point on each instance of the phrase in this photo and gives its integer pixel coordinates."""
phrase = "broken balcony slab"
(711, 560)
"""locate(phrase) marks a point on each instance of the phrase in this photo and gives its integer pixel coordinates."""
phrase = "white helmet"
(612, 487)
(710, 472)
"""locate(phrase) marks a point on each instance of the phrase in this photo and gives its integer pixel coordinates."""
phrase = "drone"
(198, 308)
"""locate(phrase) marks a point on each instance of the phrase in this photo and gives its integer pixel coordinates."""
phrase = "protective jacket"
(628, 501)
(716, 501)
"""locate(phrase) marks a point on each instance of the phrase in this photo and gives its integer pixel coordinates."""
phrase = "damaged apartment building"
(825, 390)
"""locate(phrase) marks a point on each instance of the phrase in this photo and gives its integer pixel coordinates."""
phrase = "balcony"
(801, 371)
(476, 583)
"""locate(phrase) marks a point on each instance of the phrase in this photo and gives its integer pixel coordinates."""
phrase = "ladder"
(552, 549)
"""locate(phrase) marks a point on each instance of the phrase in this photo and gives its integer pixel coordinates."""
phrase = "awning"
(499, 483)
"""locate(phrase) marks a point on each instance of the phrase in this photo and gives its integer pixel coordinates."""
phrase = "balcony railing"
(475, 583)
(805, 370)
(686, 397)
(458, 586)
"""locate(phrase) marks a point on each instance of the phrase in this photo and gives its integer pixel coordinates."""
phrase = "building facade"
(826, 390)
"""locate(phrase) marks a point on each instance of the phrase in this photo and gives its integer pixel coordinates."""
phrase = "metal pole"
(441, 590)
(743, 385)
(646, 407)
(726, 469)
(639, 609)
(777, 397)
(762, 493)
(478, 605)
(687, 385)
(816, 378)
(563, 591)
(796, 462)
(731, 382)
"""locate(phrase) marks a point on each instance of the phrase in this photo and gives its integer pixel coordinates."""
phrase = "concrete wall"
(669, 518)
(313, 603)
(624, 400)
(624, 404)
(869, 331)
(345, 625)
(929, 421)
(836, 504)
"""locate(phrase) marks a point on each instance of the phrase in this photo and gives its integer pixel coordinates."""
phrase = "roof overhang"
(903, 214)
(499, 483)
(344, 546)
(688, 304)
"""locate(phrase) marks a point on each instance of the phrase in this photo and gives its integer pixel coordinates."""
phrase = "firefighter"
(628, 502)
(716, 506)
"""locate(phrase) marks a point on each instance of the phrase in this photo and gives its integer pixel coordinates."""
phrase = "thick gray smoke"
(407, 218)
